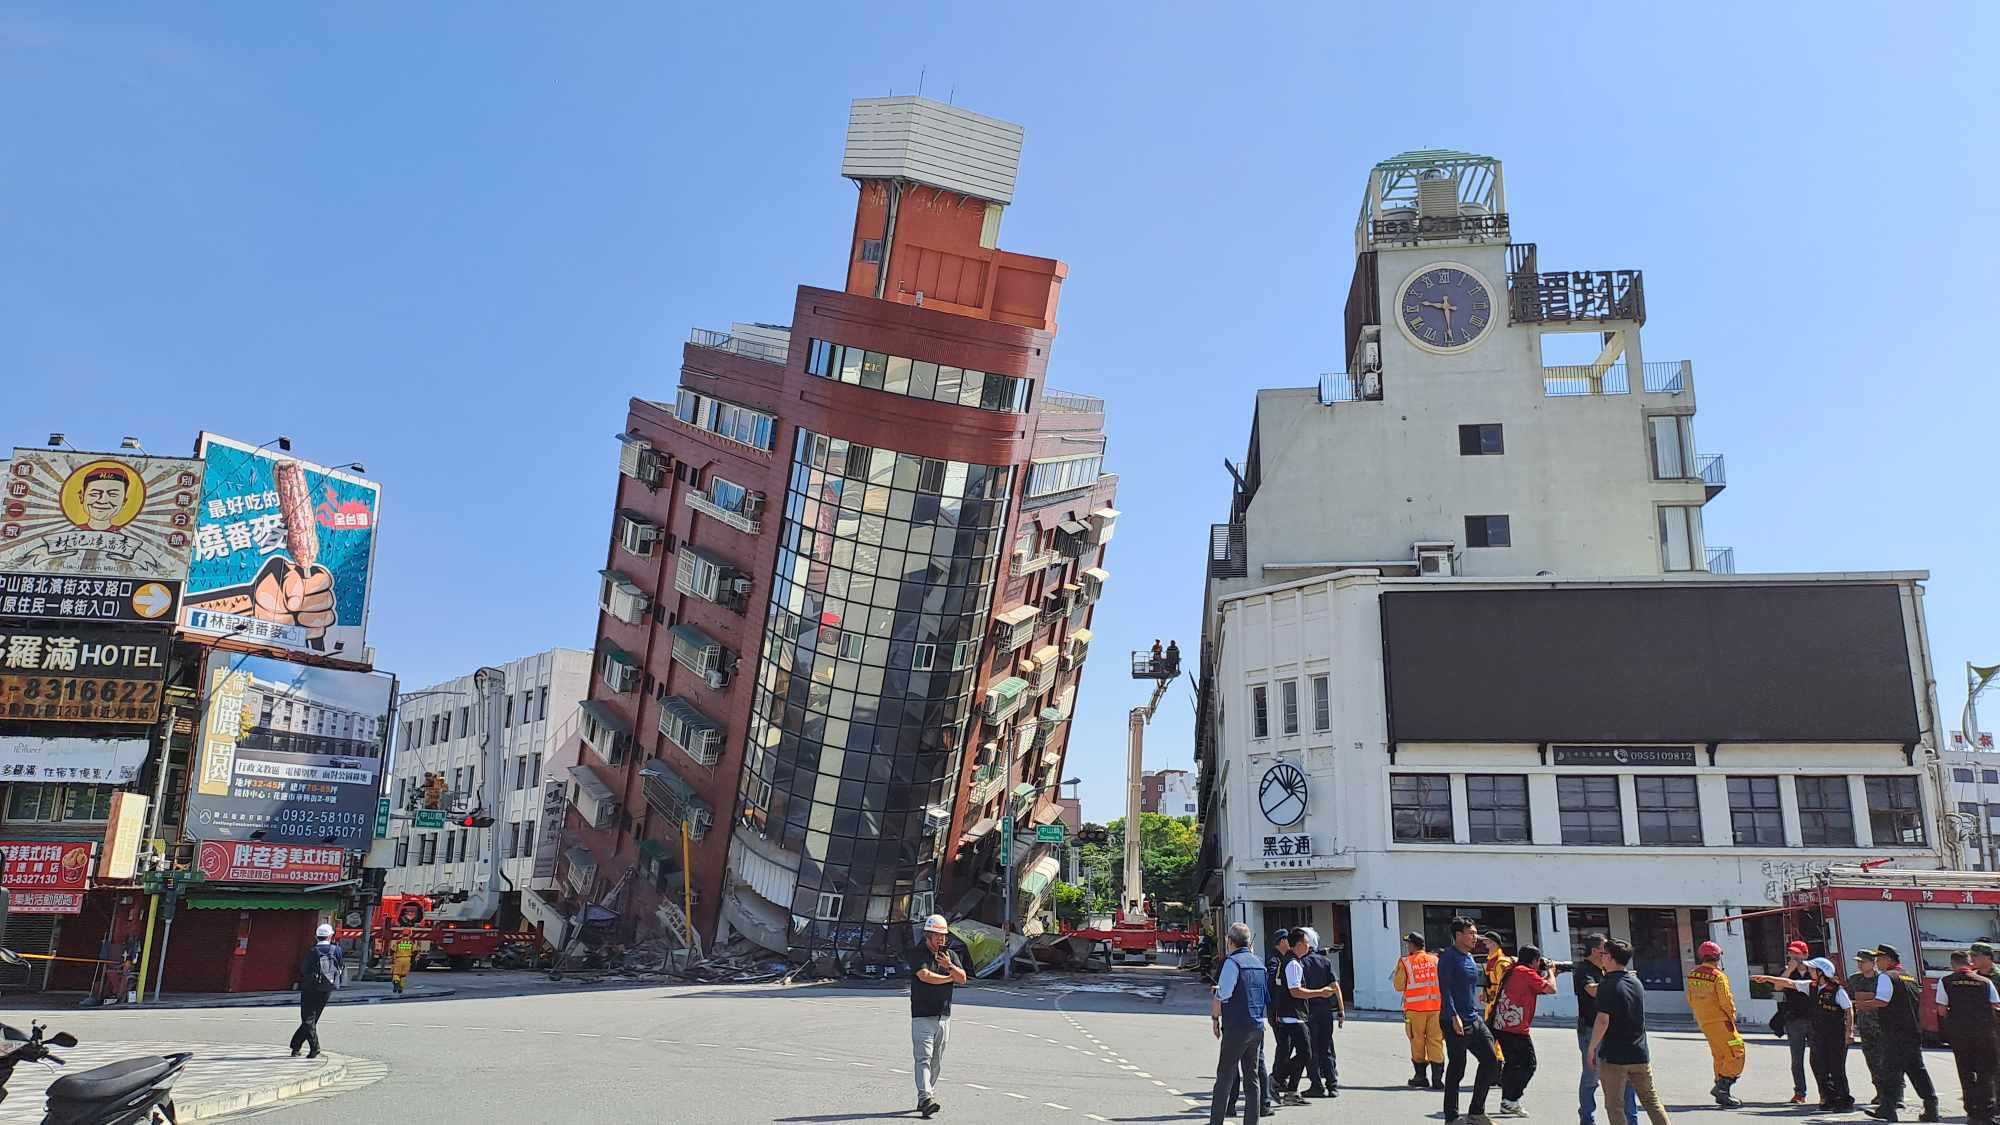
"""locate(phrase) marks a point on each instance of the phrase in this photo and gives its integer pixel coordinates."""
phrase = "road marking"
(864, 1066)
(897, 1070)
(1071, 1046)
(1156, 1081)
(1053, 1105)
(787, 1054)
(977, 1086)
(1143, 1074)
(631, 1039)
(1094, 1117)
(823, 1058)
(747, 1050)
(1012, 1094)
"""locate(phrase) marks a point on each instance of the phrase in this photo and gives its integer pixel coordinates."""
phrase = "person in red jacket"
(1526, 981)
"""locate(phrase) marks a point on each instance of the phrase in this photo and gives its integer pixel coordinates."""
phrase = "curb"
(219, 1105)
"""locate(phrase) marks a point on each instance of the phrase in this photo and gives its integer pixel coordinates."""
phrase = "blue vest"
(1246, 1004)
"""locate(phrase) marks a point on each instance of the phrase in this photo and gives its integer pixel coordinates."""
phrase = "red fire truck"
(458, 943)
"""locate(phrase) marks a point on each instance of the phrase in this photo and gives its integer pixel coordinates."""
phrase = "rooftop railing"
(1708, 466)
(1722, 560)
(738, 345)
(1343, 386)
(1669, 377)
(1070, 402)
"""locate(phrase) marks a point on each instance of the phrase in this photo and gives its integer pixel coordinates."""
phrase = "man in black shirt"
(1966, 1002)
(936, 965)
(1584, 981)
(1895, 1000)
(1618, 1039)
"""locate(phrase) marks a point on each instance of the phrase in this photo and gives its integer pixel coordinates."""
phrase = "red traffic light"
(475, 820)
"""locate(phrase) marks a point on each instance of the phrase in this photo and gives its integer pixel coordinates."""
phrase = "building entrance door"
(1282, 918)
(1656, 949)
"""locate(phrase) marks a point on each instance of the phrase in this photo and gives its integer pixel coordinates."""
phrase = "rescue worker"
(399, 963)
(1829, 1028)
(1416, 977)
(1714, 1008)
(1497, 964)
(1867, 1025)
(1325, 1008)
(1966, 1003)
(1895, 1000)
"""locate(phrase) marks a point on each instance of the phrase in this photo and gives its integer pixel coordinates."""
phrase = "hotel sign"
(1675, 756)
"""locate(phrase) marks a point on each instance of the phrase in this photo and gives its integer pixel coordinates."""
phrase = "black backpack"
(326, 968)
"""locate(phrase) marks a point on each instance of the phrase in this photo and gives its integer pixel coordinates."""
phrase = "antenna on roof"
(920, 80)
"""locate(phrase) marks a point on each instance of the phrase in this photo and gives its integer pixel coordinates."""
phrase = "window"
(1478, 440)
(1420, 807)
(403, 851)
(1961, 774)
(513, 839)
(1260, 712)
(1989, 777)
(542, 709)
(739, 424)
(871, 251)
(1496, 809)
(509, 721)
(1673, 446)
(1288, 695)
(1680, 538)
(1322, 703)
(47, 803)
(1488, 531)
(916, 378)
(1437, 923)
(528, 838)
(1046, 478)
(1755, 817)
(1590, 810)
(1895, 811)
(1826, 812)
(698, 573)
(828, 909)
(427, 848)
(923, 657)
(1583, 922)
(521, 772)
(1669, 810)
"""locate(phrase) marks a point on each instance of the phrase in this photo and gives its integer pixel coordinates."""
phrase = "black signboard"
(82, 673)
(65, 597)
(1623, 755)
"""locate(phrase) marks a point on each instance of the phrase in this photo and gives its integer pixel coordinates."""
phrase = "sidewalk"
(359, 992)
(220, 1079)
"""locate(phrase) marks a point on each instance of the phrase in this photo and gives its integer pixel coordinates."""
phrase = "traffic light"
(475, 820)
(434, 791)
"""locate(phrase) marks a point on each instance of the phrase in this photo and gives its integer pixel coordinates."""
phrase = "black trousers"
(1478, 1043)
(1829, 1064)
(1294, 1056)
(311, 1004)
(1904, 1058)
(1975, 1077)
(1325, 1070)
(1519, 1065)
(1260, 1077)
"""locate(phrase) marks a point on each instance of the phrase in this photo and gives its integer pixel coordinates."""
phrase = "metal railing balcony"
(1669, 377)
(1722, 560)
(1708, 466)
(1030, 564)
(1344, 386)
(738, 345)
(1070, 402)
(986, 783)
(700, 502)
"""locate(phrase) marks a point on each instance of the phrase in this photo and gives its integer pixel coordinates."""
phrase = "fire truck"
(1924, 914)
(442, 939)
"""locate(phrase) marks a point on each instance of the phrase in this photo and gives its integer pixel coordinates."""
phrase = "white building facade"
(1972, 798)
(1169, 793)
(436, 732)
(1466, 648)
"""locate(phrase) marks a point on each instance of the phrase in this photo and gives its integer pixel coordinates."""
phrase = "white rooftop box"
(910, 138)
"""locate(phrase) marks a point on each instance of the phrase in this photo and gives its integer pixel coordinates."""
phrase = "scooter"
(132, 1092)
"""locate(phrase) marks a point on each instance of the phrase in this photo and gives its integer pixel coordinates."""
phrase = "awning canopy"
(1039, 874)
(276, 901)
(1098, 575)
(589, 786)
(978, 831)
(687, 713)
(768, 879)
(1019, 615)
(1045, 655)
(619, 656)
(1080, 636)
(1073, 527)
(1105, 514)
(602, 714)
(1006, 690)
(1024, 791)
(1052, 715)
(654, 850)
(693, 638)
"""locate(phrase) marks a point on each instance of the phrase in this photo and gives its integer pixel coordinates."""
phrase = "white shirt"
(1294, 978)
(1885, 987)
(1842, 1000)
(1992, 993)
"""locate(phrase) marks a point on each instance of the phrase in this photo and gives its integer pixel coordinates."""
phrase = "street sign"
(381, 818)
(430, 818)
(1049, 834)
(1006, 841)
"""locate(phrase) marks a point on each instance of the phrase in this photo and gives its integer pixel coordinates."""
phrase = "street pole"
(172, 891)
(687, 894)
(146, 946)
(1007, 867)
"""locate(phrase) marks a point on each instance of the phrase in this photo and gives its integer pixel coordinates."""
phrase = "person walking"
(937, 965)
(1242, 994)
(1527, 982)
(1895, 1000)
(1584, 982)
(1867, 1025)
(400, 960)
(1465, 1029)
(1714, 1008)
(1288, 1000)
(1325, 1009)
(1416, 977)
(322, 972)
(1796, 1006)
(1966, 1002)
(1618, 1046)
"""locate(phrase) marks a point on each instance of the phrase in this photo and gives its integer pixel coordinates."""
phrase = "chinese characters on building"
(1288, 850)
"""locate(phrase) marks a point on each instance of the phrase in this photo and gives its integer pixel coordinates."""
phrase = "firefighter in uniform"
(399, 964)
(1966, 1002)
(1895, 1000)
(1416, 977)
(1714, 1010)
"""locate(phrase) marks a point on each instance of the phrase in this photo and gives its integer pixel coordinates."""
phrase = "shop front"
(233, 939)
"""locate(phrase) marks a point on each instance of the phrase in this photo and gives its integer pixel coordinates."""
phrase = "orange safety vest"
(1420, 983)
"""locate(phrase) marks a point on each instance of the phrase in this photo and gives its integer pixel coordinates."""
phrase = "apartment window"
(1583, 922)
(513, 839)
(1826, 812)
(464, 719)
(828, 908)
(1260, 711)
(1045, 478)
(1990, 777)
(1322, 703)
(521, 772)
(542, 710)
(923, 657)
(1590, 810)
(1288, 695)
(46, 803)
(403, 852)
(1961, 775)
(871, 251)
(1669, 810)
(427, 845)
(1755, 817)
(1482, 439)
(535, 768)
(1673, 446)
(1420, 807)
(1680, 538)
(509, 721)
(1496, 808)
(1895, 811)
(528, 838)
(1488, 531)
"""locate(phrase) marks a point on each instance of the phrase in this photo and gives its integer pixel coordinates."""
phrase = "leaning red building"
(848, 588)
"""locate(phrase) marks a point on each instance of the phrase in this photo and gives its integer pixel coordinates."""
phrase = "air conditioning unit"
(718, 679)
(1371, 356)
(740, 585)
(637, 536)
(1433, 560)
(1371, 385)
(936, 819)
(753, 505)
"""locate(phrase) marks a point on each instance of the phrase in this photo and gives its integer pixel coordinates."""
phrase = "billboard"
(45, 878)
(270, 863)
(82, 673)
(107, 514)
(283, 552)
(93, 761)
(291, 753)
(55, 597)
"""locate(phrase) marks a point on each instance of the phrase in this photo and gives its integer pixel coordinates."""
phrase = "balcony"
(738, 345)
(1708, 466)
(1016, 627)
(1069, 402)
(985, 783)
(672, 797)
(1722, 560)
(1004, 699)
(1026, 564)
(1668, 377)
(1566, 297)
(1228, 550)
(683, 724)
(743, 521)
(1344, 386)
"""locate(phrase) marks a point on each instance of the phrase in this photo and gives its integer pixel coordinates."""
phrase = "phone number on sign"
(53, 697)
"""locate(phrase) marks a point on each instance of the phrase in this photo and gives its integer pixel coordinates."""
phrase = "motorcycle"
(131, 1092)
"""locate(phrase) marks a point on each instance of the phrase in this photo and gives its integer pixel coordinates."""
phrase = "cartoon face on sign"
(102, 496)
(70, 512)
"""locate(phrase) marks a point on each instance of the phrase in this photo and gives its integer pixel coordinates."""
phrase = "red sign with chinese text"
(224, 861)
(46, 878)
(1936, 897)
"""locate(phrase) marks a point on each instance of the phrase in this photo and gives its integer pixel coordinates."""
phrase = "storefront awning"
(263, 902)
(1040, 874)
(1007, 689)
(1098, 575)
(1019, 615)
(768, 879)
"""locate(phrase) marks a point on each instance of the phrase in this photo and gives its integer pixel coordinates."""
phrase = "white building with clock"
(1466, 648)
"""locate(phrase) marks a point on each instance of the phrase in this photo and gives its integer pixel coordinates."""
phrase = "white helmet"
(325, 931)
(935, 924)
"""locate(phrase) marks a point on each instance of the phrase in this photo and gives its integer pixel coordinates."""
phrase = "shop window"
(1420, 807)
(1895, 811)
(1826, 812)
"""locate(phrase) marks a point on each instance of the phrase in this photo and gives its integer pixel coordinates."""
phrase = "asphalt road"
(1031, 1052)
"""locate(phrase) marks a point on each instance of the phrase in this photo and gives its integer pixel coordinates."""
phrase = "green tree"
(1168, 849)
(1070, 903)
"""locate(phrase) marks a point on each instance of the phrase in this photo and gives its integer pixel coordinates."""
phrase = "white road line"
(1053, 1105)
(977, 1086)
(787, 1054)
(1143, 1074)
(1012, 1094)
(1156, 1081)
(1177, 1093)
(823, 1058)
(1094, 1117)
(864, 1066)
(631, 1039)
(747, 1050)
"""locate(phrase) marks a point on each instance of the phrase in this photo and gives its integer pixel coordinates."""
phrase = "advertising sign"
(124, 834)
(54, 597)
(289, 752)
(548, 840)
(82, 673)
(94, 761)
(45, 878)
(110, 514)
(225, 862)
(1623, 755)
(283, 551)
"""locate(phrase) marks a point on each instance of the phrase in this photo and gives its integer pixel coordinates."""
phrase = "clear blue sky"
(450, 241)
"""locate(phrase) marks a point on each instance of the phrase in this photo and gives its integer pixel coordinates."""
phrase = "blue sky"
(451, 241)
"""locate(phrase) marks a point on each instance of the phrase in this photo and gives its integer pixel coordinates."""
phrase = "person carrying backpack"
(320, 976)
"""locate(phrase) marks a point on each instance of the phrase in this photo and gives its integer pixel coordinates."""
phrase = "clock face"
(1445, 308)
(1282, 794)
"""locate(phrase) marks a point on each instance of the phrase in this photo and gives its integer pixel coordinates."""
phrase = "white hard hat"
(325, 930)
(935, 924)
